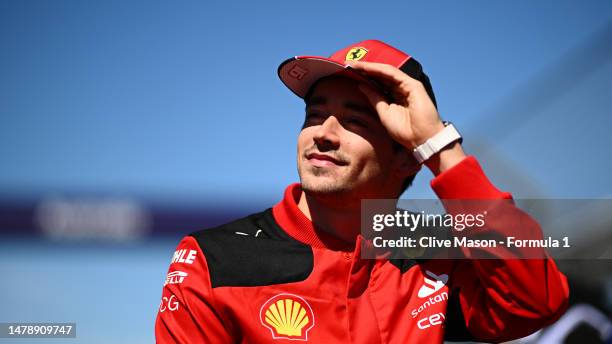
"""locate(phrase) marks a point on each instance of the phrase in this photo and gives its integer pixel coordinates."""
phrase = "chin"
(317, 185)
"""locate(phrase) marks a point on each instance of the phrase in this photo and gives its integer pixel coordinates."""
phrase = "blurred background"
(126, 125)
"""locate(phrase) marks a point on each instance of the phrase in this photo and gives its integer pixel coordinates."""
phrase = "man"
(294, 272)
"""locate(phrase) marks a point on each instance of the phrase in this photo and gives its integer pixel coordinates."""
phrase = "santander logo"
(432, 283)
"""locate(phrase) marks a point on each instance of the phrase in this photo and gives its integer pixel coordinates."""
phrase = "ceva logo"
(432, 283)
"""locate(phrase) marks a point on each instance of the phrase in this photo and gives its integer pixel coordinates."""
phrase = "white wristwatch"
(436, 143)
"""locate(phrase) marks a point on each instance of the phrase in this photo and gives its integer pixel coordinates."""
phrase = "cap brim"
(301, 72)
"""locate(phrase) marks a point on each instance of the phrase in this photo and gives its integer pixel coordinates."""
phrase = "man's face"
(343, 148)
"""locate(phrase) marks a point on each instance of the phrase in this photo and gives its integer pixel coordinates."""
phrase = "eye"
(356, 122)
(314, 118)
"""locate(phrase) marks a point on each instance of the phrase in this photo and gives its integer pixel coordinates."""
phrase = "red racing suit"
(270, 278)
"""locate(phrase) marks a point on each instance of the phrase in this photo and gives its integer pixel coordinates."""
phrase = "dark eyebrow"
(320, 100)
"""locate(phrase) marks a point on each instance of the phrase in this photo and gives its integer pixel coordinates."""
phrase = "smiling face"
(343, 148)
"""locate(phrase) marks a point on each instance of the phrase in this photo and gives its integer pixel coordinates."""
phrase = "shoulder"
(261, 225)
(253, 251)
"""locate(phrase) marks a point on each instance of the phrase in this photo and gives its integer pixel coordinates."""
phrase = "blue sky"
(180, 100)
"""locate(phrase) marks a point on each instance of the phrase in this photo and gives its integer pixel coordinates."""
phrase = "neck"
(340, 220)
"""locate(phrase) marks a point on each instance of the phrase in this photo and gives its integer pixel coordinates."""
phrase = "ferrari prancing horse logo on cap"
(287, 316)
(356, 54)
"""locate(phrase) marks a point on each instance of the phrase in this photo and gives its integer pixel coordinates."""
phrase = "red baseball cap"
(300, 73)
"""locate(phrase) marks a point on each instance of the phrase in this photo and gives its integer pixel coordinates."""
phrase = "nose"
(326, 137)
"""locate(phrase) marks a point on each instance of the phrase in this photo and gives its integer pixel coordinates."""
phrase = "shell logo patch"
(356, 54)
(287, 316)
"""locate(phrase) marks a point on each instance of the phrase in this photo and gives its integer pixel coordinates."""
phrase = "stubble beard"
(333, 185)
(321, 181)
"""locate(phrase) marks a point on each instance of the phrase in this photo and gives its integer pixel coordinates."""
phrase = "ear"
(406, 164)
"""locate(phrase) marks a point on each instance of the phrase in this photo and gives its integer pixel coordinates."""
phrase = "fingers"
(388, 74)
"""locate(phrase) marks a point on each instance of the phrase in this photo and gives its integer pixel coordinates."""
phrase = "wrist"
(445, 159)
(431, 132)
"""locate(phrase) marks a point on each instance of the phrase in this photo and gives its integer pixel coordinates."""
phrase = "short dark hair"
(408, 181)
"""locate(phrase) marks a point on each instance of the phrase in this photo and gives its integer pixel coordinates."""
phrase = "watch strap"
(436, 143)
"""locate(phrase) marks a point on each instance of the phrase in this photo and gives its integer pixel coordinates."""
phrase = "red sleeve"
(509, 298)
(187, 312)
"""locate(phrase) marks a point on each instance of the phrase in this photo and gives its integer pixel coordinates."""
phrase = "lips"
(323, 160)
